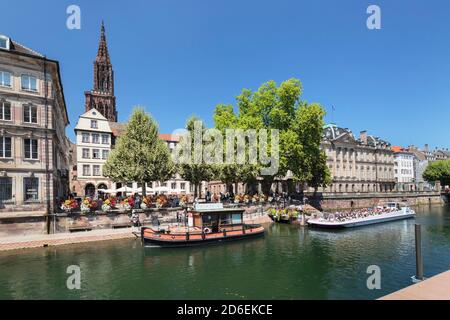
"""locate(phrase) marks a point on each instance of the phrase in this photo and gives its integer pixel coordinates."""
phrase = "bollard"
(419, 259)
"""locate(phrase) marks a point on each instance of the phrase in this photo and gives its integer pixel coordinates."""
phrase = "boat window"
(236, 218)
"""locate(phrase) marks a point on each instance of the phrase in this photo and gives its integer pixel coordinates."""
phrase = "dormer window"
(5, 42)
(94, 124)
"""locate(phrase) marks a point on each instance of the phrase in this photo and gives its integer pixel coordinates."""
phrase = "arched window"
(89, 190)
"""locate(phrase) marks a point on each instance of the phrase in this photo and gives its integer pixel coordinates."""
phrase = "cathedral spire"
(102, 53)
(101, 97)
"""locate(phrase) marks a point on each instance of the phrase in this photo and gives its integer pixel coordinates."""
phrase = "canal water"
(290, 262)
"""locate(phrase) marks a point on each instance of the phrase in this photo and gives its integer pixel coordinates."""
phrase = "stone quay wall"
(365, 200)
(23, 225)
(35, 223)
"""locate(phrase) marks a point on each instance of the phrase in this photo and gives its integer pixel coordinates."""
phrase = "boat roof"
(217, 211)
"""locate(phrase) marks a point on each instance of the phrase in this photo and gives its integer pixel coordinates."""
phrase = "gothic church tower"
(101, 97)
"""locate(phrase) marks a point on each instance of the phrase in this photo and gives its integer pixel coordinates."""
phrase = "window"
(94, 124)
(105, 139)
(5, 110)
(95, 138)
(5, 147)
(31, 189)
(86, 170)
(4, 42)
(5, 189)
(95, 154)
(85, 137)
(29, 83)
(31, 148)
(96, 170)
(85, 153)
(129, 184)
(173, 185)
(29, 114)
(105, 154)
(183, 186)
(5, 79)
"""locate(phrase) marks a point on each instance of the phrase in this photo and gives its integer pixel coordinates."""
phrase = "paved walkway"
(435, 288)
(35, 241)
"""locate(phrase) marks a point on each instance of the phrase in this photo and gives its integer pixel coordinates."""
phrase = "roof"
(398, 149)
(333, 132)
(377, 142)
(169, 137)
(17, 47)
(118, 129)
(419, 155)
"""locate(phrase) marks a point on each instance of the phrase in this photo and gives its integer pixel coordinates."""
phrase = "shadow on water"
(290, 262)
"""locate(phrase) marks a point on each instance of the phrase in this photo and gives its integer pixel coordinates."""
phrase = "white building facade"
(93, 145)
(404, 166)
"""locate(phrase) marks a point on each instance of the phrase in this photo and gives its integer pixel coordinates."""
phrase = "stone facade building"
(34, 149)
(357, 165)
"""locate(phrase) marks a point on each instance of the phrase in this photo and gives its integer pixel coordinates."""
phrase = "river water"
(290, 262)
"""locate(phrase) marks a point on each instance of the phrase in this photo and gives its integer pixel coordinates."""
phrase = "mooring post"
(419, 259)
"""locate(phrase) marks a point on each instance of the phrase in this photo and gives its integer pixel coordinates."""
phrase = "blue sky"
(179, 58)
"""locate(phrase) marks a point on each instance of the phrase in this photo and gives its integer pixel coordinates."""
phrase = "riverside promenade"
(47, 240)
(44, 240)
(435, 288)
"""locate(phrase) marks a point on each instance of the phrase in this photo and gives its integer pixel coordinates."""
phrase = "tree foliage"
(191, 171)
(438, 171)
(139, 154)
(300, 126)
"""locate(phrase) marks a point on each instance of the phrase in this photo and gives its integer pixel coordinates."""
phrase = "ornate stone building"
(101, 97)
(357, 165)
(34, 149)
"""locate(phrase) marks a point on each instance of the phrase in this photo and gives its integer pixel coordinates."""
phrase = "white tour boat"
(391, 212)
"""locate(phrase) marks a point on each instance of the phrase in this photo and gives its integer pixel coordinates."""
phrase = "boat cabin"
(393, 205)
(212, 217)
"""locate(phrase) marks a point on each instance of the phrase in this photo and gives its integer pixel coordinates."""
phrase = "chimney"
(363, 136)
(426, 149)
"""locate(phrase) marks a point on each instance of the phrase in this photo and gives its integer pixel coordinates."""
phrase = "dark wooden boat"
(207, 224)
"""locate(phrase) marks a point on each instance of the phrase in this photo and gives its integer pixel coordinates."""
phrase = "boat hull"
(151, 239)
(361, 222)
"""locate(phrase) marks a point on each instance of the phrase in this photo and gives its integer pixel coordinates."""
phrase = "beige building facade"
(357, 165)
(34, 149)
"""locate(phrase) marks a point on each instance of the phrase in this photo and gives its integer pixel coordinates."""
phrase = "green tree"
(300, 126)
(438, 171)
(306, 160)
(139, 154)
(190, 170)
